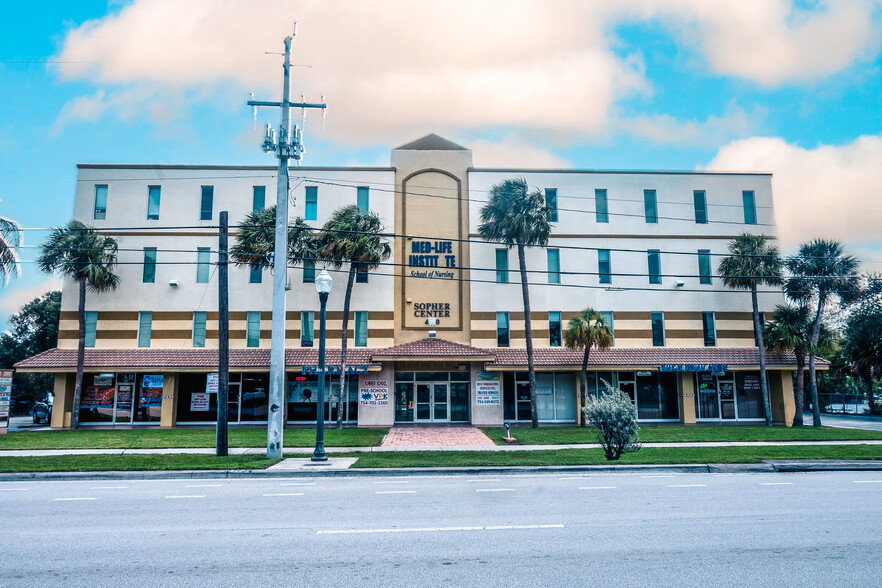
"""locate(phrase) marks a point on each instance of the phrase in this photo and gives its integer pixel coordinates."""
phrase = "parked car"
(42, 411)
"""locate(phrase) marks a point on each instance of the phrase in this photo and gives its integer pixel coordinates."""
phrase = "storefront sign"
(211, 383)
(334, 370)
(752, 384)
(199, 402)
(95, 397)
(690, 367)
(151, 391)
(104, 380)
(487, 388)
(643, 374)
(727, 390)
(440, 255)
(374, 393)
(431, 309)
(5, 398)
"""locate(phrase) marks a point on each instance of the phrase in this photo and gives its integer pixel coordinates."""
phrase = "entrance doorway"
(432, 402)
(432, 397)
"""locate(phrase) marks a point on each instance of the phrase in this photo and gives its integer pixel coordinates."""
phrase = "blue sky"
(789, 87)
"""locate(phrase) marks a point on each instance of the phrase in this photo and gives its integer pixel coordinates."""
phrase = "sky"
(792, 87)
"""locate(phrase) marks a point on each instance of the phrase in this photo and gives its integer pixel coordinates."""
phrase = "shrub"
(615, 417)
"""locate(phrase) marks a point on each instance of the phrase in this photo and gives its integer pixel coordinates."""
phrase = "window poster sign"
(211, 384)
(727, 390)
(97, 397)
(5, 398)
(752, 384)
(199, 402)
(487, 386)
(151, 390)
(373, 393)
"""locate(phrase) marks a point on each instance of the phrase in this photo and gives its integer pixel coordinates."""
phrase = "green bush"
(615, 417)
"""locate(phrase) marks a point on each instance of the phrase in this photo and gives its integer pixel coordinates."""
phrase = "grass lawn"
(166, 438)
(119, 463)
(650, 455)
(684, 433)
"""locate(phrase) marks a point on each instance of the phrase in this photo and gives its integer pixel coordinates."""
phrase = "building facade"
(640, 247)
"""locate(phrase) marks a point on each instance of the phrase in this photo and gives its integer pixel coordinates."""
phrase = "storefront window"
(555, 397)
(657, 396)
(750, 396)
(303, 395)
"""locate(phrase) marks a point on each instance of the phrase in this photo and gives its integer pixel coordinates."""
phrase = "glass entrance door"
(233, 402)
(432, 402)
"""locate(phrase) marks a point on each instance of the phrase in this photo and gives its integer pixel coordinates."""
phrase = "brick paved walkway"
(422, 436)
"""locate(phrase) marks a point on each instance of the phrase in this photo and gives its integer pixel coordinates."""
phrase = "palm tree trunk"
(528, 331)
(583, 380)
(800, 389)
(349, 282)
(758, 329)
(813, 379)
(81, 356)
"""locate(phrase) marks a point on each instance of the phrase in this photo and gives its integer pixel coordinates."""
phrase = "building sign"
(431, 309)
(487, 388)
(211, 383)
(334, 370)
(690, 367)
(432, 254)
(151, 391)
(373, 393)
(5, 398)
(199, 402)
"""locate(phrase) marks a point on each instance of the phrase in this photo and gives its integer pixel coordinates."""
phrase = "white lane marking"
(659, 476)
(70, 499)
(397, 492)
(866, 481)
(108, 487)
(203, 485)
(487, 480)
(437, 529)
(298, 484)
(574, 478)
(776, 483)
(494, 490)
(14, 489)
(687, 485)
(596, 487)
(187, 496)
(394, 482)
(285, 494)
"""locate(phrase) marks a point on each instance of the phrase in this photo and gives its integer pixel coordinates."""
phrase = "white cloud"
(14, 297)
(712, 131)
(829, 191)
(514, 152)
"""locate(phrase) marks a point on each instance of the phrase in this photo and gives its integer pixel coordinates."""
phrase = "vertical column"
(169, 400)
(687, 398)
(781, 396)
(63, 400)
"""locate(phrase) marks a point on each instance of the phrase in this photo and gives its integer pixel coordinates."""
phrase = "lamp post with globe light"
(323, 283)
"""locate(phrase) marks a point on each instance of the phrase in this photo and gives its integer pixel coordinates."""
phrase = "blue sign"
(692, 367)
(334, 370)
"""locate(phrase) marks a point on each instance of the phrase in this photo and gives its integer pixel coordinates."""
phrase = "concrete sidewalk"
(308, 450)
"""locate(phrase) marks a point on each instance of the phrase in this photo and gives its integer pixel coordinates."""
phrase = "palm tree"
(820, 271)
(82, 254)
(10, 239)
(753, 261)
(584, 332)
(256, 238)
(518, 218)
(353, 237)
(789, 329)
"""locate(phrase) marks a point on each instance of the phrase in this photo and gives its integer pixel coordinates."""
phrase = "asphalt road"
(811, 529)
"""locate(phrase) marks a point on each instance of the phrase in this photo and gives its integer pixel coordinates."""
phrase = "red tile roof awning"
(431, 348)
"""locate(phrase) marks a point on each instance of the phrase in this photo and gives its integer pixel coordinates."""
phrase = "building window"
(502, 338)
(202, 259)
(749, 200)
(654, 259)
(308, 272)
(311, 212)
(258, 199)
(100, 202)
(553, 256)
(255, 275)
(145, 323)
(153, 202)
(206, 209)
(502, 266)
(601, 210)
(253, 329)
(607, 316)
(363, 199)
(199, 318)
(551, 203)
(361, 274)
(704, 266)
(555, 334)
(699, 199)
(658, 329)
(307, 328)
(709, 328)
(650, 206)
(149, 274)
(604, 267)
(91, 328)
(361, 328)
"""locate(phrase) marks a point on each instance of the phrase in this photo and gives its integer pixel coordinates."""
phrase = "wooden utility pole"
(223, 336)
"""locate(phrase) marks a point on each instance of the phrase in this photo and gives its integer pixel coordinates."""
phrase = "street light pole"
(323, 284)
